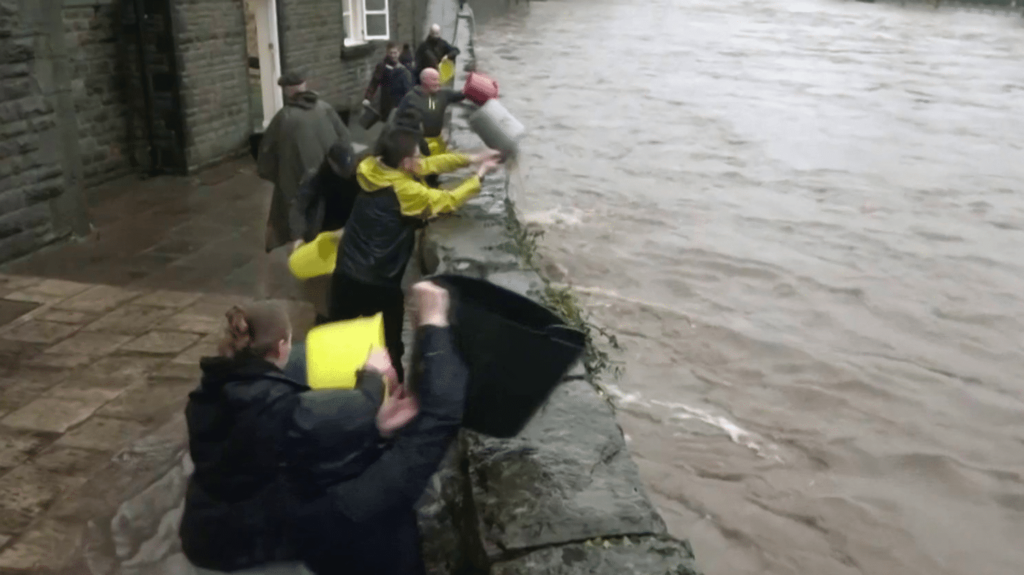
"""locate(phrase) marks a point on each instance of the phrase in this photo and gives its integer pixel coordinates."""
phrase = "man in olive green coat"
(294, 143)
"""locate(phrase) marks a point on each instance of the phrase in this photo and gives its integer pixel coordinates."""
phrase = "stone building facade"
(76, 110)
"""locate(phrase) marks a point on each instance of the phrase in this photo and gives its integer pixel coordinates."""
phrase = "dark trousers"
(384, 546)
(351, 298)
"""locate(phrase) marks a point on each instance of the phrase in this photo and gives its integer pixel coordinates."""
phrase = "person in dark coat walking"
(393, 80)
(285, 475)
(408, 59)
(433, 50)
(295, 142)
(323, 204)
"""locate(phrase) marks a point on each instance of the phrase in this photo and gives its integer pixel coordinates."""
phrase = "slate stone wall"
(97, 88)
(30, 170)
(213, 63)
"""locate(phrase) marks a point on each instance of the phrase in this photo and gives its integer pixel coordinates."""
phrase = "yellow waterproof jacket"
(380, 233)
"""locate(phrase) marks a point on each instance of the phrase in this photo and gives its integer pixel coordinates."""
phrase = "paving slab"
(33, 331)
(103, 434)
(205, 347)
(192, 323)
(70, 461)
(60, 360)
(162, 342)
(93, 357)
(49, 545)
(89, 344)
(9, 283)
(25, 493)
(66, 316)
(169, 299)
(54, 414)
(57, 288)
(130, 319)
(150, 402)
(11, 310)
(18, 446)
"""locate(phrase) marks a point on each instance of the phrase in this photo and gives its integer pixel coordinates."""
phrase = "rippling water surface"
(805, 221)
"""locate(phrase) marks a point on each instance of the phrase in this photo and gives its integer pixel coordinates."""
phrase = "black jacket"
(261, 442)
(393, 79)
(324, 201)
(284, 473)
(433, 107)
(431, 51)
(237, 496)
(380, 233)
(353, 526)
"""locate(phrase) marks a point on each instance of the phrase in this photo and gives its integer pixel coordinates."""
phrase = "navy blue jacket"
(285, 473)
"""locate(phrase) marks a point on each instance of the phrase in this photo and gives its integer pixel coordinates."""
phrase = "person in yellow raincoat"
(380, 235)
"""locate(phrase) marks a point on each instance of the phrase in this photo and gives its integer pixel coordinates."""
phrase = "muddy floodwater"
(804, 220)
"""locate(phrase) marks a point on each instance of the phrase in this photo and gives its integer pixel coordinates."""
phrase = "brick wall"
(97, 89)
(214, 79)
(30, 171)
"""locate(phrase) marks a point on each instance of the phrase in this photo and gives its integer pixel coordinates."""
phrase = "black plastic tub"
(517, 352)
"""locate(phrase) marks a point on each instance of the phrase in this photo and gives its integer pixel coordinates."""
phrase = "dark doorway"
(150, 57)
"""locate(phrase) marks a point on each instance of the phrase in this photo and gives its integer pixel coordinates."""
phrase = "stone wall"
(214, 79)
(251, 39)
(97, 89)
(31, 173)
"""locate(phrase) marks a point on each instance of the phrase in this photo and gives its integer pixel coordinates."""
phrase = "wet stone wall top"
(564, 496)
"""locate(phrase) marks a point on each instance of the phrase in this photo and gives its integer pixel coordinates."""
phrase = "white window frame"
(356, 12)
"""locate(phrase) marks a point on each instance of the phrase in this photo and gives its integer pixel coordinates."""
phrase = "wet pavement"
(100, 341)
(86, 370)
(202, 233)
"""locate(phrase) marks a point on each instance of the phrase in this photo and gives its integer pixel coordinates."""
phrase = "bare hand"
(485, 156)
(486, 167)
(297, 244)
(432, 304)
(397, 411)
(378, 361)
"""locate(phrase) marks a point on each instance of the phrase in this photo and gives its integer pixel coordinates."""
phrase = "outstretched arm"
(397, 480)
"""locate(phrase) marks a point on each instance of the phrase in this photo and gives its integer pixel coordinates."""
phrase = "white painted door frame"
(270, 57)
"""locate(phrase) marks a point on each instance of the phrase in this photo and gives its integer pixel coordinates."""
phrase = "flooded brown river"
(804, 219)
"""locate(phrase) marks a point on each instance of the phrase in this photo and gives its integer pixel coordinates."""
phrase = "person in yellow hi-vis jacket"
(380, 235)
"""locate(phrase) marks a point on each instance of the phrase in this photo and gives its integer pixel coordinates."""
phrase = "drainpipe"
(68, 210)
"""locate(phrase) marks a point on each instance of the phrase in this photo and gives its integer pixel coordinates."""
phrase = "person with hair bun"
(288, 478)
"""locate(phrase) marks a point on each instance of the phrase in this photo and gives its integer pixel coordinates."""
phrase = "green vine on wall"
(564, 302)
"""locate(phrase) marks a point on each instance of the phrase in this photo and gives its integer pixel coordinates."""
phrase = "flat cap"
(291, 79)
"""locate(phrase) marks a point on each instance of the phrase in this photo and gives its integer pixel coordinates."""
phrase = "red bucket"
(480, 88)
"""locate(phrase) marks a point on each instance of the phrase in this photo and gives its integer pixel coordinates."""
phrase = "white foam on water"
(682, 412)
(555, 217)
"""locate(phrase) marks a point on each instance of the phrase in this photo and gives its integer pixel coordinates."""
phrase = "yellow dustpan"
(317, 258)
(336, 351)
(446, 71)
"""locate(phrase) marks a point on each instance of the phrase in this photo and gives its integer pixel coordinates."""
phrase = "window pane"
(377, 25)
(372, 5)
